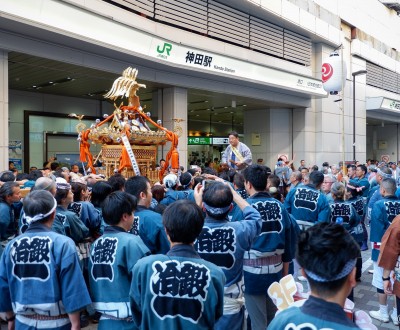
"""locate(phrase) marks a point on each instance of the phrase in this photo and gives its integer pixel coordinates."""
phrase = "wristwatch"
(9, 319)
(385, 278)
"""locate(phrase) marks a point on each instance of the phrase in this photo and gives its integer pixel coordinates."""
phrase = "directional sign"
(220, 140)
(196, 140)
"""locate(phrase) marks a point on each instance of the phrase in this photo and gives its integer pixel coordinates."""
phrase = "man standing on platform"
(237, 155)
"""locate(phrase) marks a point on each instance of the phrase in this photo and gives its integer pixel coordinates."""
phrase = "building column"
(3, 110)
(174, 117)
(274, 127)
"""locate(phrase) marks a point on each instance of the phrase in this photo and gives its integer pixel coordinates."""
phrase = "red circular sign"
(327, 72)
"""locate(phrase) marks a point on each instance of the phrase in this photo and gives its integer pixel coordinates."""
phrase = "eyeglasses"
(328, 182)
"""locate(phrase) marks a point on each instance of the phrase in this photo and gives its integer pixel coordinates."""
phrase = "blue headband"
(216, 210)
(384, 175)
(348, 267)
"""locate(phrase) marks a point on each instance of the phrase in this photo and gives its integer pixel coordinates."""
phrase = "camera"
(206, 183)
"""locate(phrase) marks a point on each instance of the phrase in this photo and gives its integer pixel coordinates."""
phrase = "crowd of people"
(199, 249)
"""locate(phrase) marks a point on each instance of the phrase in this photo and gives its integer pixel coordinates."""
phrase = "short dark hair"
(363, 168)
(316, 178)
(257, 175)
(234, 133)
(185, 179)
(34, 175)
(7, 189)
(218, 195)
(61, 194)
(274, 180)
(183, 221)
(38, 202)
(77, 189)
(136, 184)
(238, 180)
(117, 181)
(158, 192)
(100, 191)
(116, 205)
(324, 249)
(7, 176)
(54, 166)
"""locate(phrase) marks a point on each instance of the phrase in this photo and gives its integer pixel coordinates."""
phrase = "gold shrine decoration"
(80, 126)
(131, 121)
(177, 128)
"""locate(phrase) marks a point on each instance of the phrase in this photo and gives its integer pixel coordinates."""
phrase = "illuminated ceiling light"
(53, 83)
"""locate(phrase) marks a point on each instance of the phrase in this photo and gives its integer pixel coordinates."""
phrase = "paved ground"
(365, 296)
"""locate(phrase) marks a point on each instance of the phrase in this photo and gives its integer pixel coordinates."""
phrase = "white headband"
(41, 216)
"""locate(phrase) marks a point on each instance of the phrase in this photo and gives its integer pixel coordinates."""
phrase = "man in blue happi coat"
(147, 223)
(307, 204)
(10, 196)
(224, 244)
(41, 283)
(178, 290)
(111, 262)
(327, 254)
(269, 256)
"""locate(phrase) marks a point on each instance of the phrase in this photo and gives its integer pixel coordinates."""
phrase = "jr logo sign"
(166, 48)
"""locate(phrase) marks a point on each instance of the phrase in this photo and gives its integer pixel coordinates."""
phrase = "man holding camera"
(224, 244)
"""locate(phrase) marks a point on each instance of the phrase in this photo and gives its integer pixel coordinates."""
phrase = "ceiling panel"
(26, 71)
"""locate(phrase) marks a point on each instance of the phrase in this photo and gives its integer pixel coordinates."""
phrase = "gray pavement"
(365, 296)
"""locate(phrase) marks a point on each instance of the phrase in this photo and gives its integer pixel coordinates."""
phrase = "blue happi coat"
(174, 195)
(351, 221)
(40, 274)
(275, 240)
(364, 183)
(382, 215)
(177, 291)
(74, 227)
(315, 314)
(88, 214)
(6, 220)
(111, 262)
(224, 244)
(148, 225)
(306, 203)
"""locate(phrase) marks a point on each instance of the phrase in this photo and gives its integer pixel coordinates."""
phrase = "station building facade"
(212, 67)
